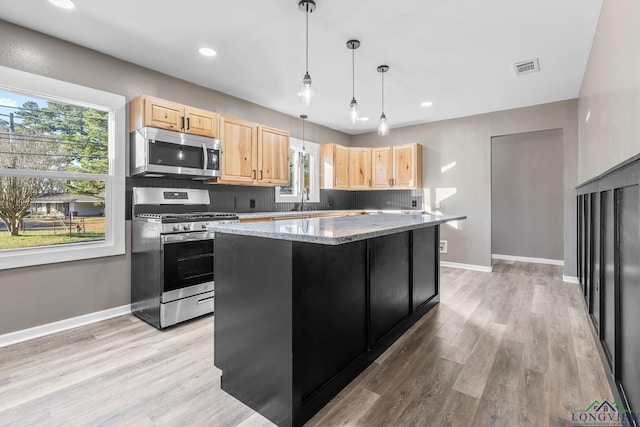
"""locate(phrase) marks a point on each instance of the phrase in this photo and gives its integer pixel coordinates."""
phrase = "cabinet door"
(201, 122)
(389, 283)
(425, 271)
(382, 167)
(162, 114)
(360, 168)
(273, 156)
(341, 166)
(238, 150)
(405, 166)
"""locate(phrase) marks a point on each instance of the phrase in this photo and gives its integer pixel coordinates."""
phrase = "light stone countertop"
(335, 230)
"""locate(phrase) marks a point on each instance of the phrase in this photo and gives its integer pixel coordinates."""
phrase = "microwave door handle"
(204, 157)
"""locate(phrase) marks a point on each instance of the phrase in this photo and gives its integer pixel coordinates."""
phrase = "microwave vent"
(526, 67)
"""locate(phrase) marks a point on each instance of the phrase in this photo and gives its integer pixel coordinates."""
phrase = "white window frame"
(114, 243)
(314, 192)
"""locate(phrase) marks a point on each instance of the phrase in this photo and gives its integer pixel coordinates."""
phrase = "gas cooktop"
(193, 216)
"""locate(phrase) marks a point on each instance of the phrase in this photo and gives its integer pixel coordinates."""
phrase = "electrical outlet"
(443, 246)
(252, 203)
(414, 203)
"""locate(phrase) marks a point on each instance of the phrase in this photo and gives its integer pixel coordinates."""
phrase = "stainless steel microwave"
(159, 152)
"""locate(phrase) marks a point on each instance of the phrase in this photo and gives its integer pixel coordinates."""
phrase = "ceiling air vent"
(526, 67)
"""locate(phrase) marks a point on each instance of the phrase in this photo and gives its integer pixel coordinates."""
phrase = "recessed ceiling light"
(363, 119)
(426, 104)
(207, 51)
(65, 4)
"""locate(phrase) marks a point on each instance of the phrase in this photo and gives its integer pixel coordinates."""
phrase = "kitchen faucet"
(304, 193)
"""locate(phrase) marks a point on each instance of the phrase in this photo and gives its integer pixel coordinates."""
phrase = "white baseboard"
(528, 259)
(570, 279)
(62, 325)
(474, 267)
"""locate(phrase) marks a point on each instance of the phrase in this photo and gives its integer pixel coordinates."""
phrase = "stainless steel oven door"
(187, 264)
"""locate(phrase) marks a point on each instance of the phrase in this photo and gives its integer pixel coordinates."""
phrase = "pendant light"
(383, 127)
(355, 109)
(306, 92)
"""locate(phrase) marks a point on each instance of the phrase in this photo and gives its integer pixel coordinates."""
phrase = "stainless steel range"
(172, 254)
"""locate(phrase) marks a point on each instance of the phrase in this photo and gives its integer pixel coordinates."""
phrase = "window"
(305, 164)
(61, 190)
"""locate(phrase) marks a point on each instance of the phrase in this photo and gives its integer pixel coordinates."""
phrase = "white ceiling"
(459, 54)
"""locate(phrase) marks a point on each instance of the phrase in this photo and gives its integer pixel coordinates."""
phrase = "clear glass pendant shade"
(306, 91)
(383, 127)
(354, 111)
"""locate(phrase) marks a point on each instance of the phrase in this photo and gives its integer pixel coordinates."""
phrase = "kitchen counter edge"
(335, 230)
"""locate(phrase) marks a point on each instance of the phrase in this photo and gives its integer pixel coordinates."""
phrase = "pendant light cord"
(307, 47)
(353, 73)
(382, 92)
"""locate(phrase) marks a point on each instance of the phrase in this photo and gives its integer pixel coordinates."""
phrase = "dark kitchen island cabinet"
(303, 306)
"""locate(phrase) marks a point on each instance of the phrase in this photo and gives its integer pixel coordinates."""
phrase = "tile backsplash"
(237, 198)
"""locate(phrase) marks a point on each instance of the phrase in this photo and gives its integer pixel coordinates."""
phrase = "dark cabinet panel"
(587, 225)
(331, 308)
(594, 293)
(425, 274)
(581, 243)
(629, 272)
(389, 282)
(607, 287)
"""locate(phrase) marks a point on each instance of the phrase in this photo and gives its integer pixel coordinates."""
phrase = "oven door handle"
(187, 237)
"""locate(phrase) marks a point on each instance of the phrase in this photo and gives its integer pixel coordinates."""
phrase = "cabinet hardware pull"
(260, 175)
(254, 174)
(188, 123)
(182, 127)
(390, 182)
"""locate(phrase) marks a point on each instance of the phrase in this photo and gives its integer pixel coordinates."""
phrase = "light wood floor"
(512, 347)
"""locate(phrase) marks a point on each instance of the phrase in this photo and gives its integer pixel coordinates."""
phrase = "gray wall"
(466, 187)
(33, 296)
(527, 195)
(610, 92)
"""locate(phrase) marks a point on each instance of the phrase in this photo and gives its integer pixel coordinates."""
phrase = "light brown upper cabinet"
(163, 114)
(382, 167)
(407, 166)
(334, 167)
(399, 166)
(253, 154)
(360, 168)
(273, 156)
(239, 150)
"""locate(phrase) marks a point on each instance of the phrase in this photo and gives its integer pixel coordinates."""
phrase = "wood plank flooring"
(512, 347)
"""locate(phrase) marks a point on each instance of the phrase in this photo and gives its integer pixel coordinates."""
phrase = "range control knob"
(187, 227)
(176, 228)
(204, 226)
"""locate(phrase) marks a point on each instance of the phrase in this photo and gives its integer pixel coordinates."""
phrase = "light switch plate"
(443, 246)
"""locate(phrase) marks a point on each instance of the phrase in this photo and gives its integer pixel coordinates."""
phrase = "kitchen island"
(302, 306)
